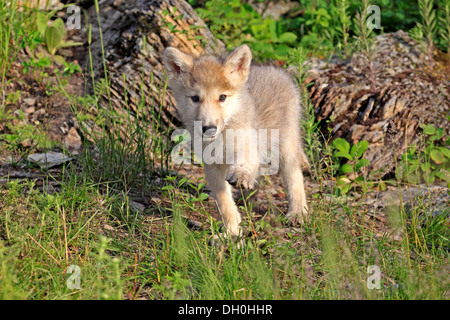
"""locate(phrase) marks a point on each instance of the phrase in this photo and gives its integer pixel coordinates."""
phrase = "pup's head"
(207, 89)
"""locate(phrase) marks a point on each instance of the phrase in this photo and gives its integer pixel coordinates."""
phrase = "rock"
(30, 101)
(29, 110)
(49, 159)
(26, 143)
(138, 206)
(274, 9)
(38, 113)
(73, 141)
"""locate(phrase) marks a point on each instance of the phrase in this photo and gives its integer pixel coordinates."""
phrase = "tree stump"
(130, 62)
(407, 94)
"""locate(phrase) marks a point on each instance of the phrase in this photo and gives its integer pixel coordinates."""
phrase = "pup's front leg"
(215, 177)
(245, 170)
(243, 176)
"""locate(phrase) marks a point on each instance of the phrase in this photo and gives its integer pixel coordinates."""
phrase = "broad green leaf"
(53, 39)
(41, 23)
(344, 189)
(59, 24)
(358, 149)
(341, 154)
(342, 145)
(44, 62)
(273, 30)
(287, 37)
(381, 186)
(429, 176)
(361, 163)
(425, 167)
(429, 129)
(445, 151)
(443, 174)
(437, 156)
(346, 168)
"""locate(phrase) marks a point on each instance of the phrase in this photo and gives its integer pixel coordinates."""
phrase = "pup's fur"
(257, 97)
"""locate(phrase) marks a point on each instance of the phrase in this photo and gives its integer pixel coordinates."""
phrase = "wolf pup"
(228, 94)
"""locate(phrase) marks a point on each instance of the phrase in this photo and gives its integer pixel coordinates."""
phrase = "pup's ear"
(237, 64)
(177, 62)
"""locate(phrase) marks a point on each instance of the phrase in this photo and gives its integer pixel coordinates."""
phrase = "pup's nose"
(209, 130)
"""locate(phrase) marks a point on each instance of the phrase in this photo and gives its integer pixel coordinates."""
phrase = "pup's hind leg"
(291, 171)
(215, 177)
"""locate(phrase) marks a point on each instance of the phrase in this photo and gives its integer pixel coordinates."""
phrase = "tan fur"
(258, 97)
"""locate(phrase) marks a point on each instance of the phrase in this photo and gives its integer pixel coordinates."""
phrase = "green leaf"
(344, 189)
(437, 156)
(342, 145)
(53, 39)
(439, 132)
(341, 154)
(59, 24)
(203, 196)
(273, 30)
(41, 23)
(381, 186)
(428, 129)
(358, 149)
(425, 167)
(411, 149)
(443, 174)
(361, 163)
(445, 151)
(287, 37)
(70, 43)
(429, 177)
(44, 62)
(346, 168)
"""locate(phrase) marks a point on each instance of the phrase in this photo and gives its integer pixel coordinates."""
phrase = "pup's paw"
(239, 176)
(297, 217)
(224, 240)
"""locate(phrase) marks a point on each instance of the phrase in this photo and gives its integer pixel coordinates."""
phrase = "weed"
(364, 40)
(355, 165)
(431, 162)
(54, 34)
(428, 27)
(444, 27)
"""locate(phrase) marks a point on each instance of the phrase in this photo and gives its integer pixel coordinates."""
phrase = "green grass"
(122, 252)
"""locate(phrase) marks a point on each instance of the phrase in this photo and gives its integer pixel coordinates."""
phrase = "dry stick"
(59, 263)
(65, 235)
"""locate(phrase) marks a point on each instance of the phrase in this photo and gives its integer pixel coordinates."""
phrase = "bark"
(406, 94)
(130, 62)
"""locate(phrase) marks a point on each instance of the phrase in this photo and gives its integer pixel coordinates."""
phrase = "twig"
(59, 263)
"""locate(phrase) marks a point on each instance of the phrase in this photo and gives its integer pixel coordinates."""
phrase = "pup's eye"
(195, 98)
(222, 97)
